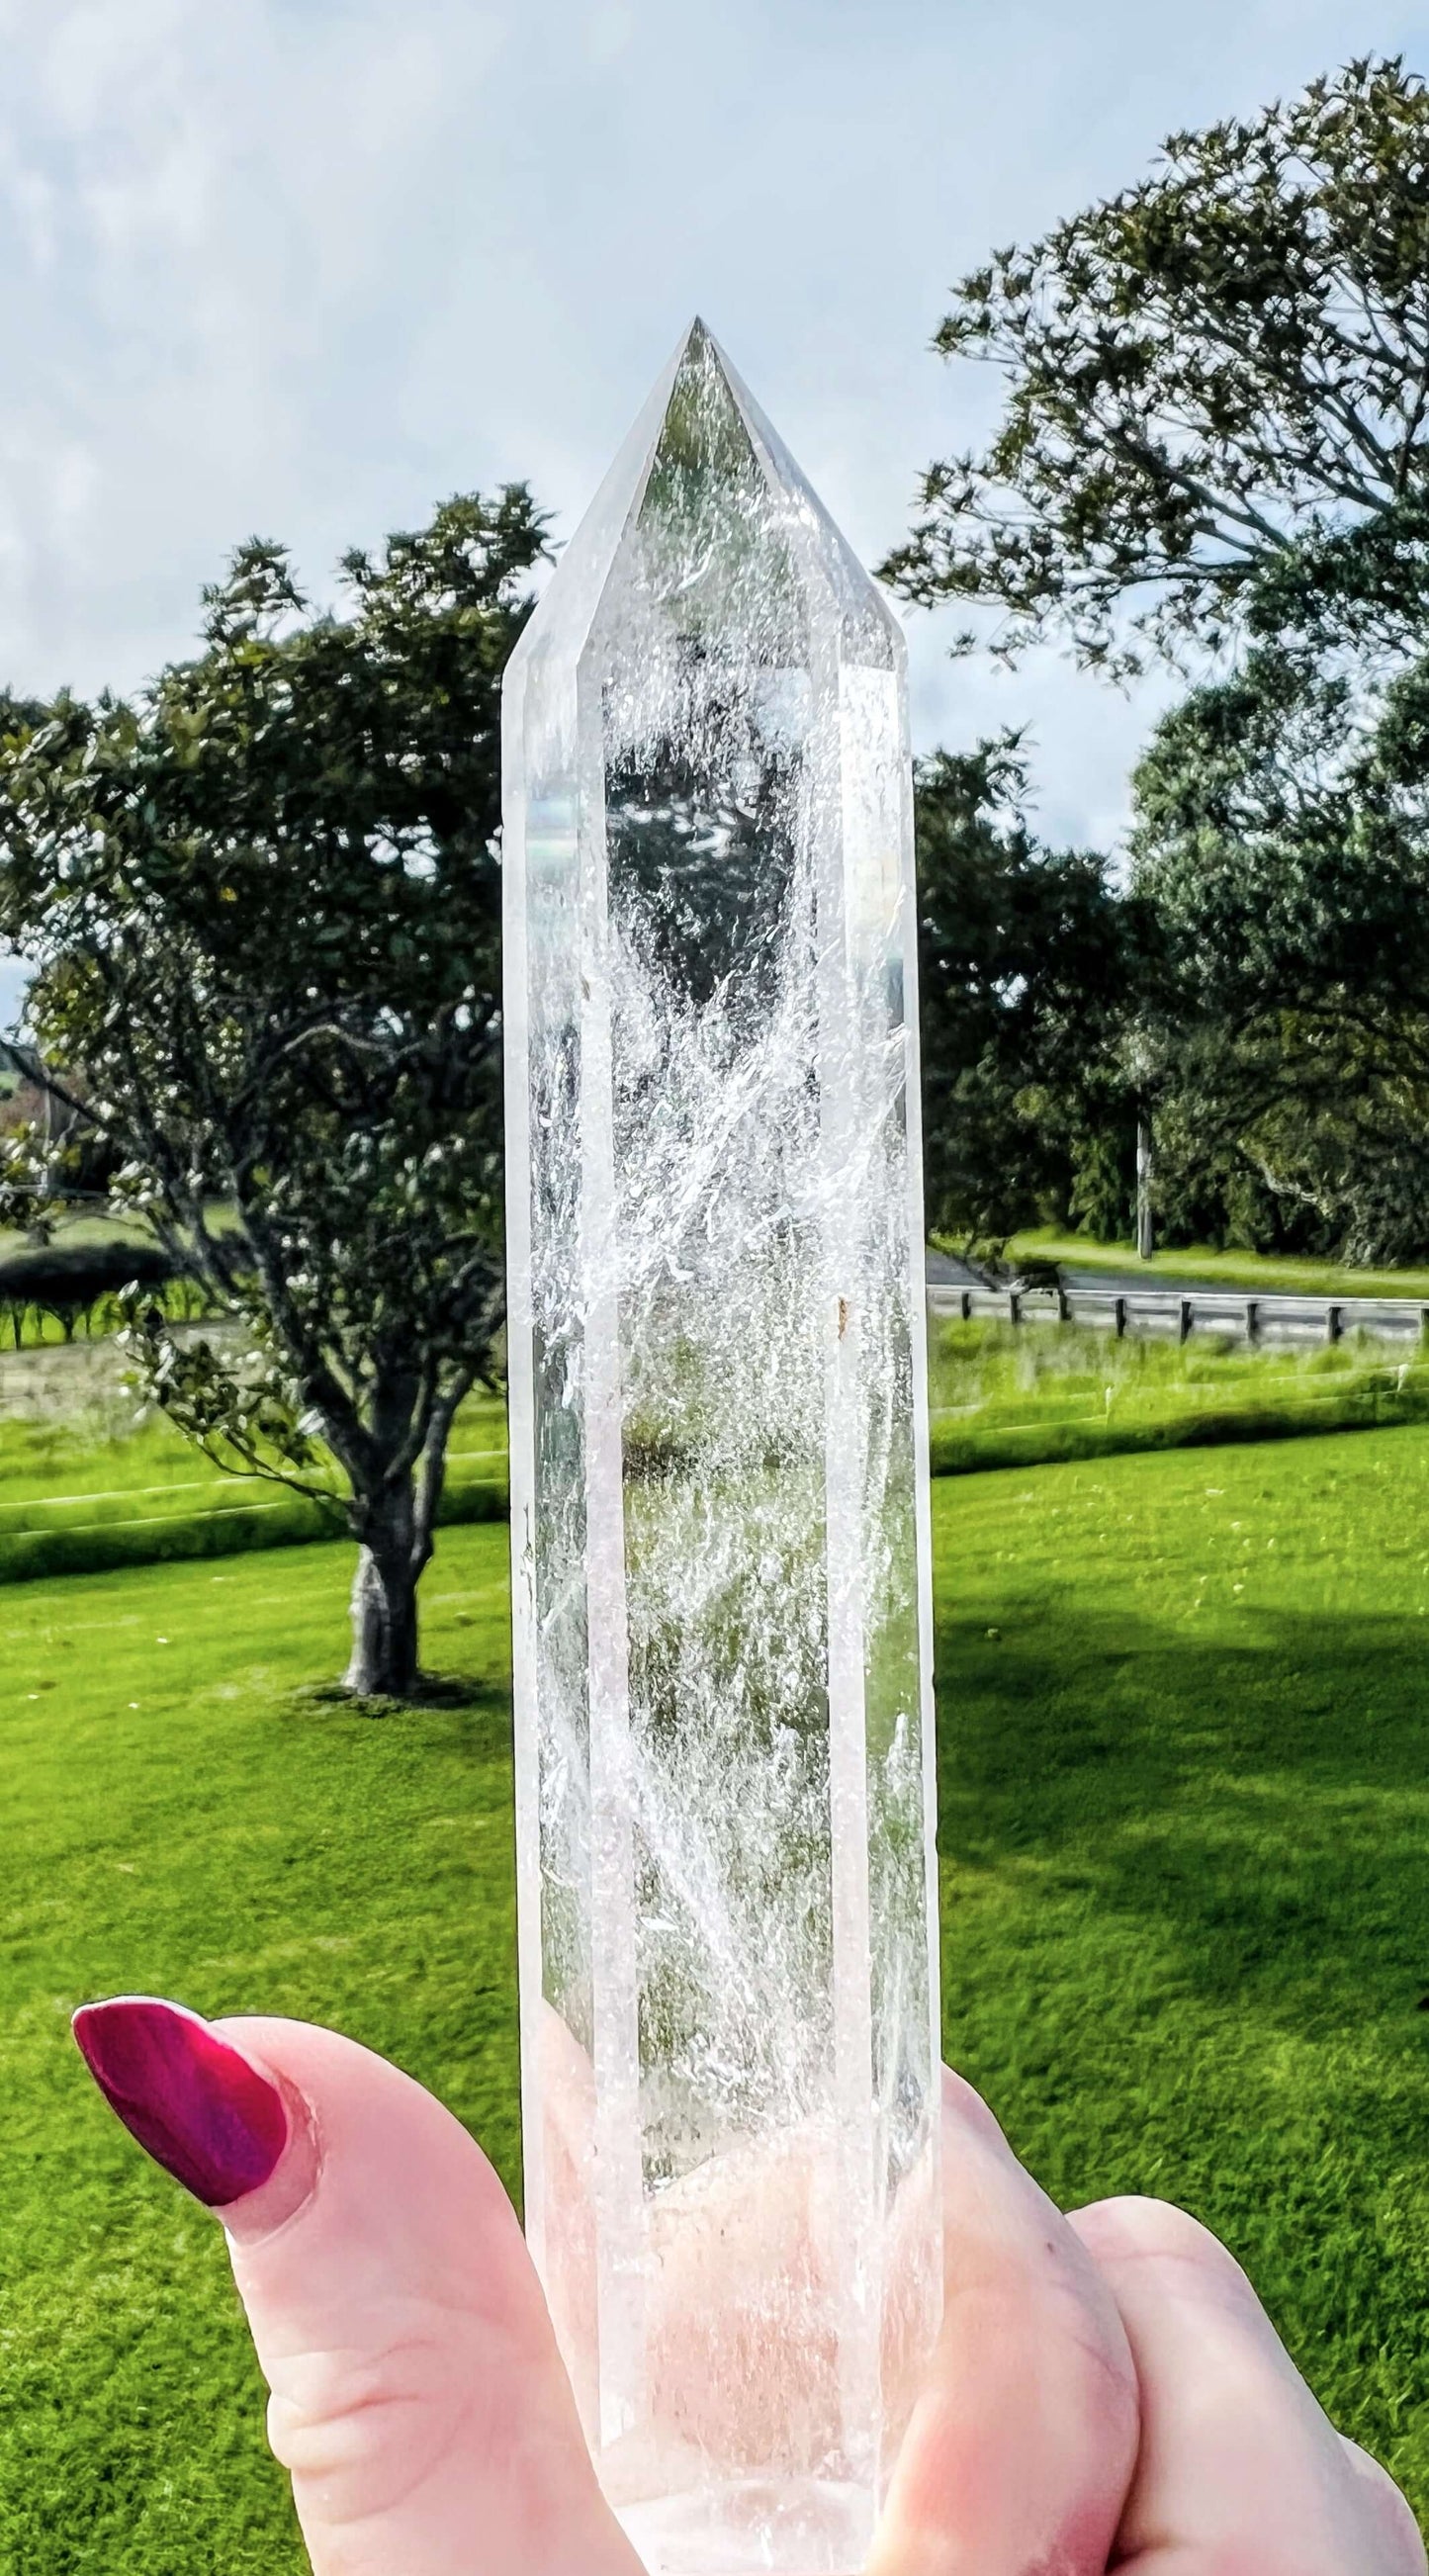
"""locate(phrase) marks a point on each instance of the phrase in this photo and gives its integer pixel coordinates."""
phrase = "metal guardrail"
(1176, 1314)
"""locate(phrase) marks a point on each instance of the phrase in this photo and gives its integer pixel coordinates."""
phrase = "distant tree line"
(89, 1288)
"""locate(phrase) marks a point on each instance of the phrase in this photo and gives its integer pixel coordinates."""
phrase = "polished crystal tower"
(719, 1498)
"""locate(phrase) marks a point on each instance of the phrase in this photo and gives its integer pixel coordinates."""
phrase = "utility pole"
(1144, 1160)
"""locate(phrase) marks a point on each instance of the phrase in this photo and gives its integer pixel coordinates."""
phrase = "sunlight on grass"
(1186, 1924)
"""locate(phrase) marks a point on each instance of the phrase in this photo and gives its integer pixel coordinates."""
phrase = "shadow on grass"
(481, 1707)
(1186, 1938)
(1261, 1802)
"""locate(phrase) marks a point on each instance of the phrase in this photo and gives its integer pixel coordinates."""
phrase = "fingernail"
(191, 2098)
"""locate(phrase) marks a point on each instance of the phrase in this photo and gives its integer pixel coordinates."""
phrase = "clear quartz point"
(719, 1499)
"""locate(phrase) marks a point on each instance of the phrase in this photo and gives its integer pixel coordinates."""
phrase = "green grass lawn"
(1185, 1803)
(1289, 1273)
(174, 1826)
(1186, 1925)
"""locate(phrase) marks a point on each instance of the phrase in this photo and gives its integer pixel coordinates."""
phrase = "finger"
(1389, 2511)
(418, 2399)
(1238, 2465)
(1020, 2451)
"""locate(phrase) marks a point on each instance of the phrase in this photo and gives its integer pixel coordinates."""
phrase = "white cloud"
(209, 212)
(304, 265)
(610, 30)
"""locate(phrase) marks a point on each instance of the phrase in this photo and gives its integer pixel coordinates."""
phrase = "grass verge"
(1186, 1925)
(1288, 1273)
(1008, 1397)
(78, 1501)
(74, 1500)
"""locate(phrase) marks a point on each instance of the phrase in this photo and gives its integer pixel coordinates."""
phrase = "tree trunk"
(394, 1523)
(384, 1602)
(1144, 1160)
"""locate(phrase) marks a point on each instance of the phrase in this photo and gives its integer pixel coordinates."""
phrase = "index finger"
(1021, 2447)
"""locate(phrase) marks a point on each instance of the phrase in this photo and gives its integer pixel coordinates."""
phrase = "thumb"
(418, 2399)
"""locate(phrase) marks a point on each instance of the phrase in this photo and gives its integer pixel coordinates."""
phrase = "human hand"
(1108, 2392)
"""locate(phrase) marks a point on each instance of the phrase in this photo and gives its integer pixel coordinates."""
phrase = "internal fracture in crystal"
(719, 1517)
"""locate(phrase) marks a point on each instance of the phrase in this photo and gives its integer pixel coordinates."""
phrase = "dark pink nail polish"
(202, 2111)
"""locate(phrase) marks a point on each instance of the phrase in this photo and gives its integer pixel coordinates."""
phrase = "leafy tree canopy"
(262, 905)
(1217, 407)
(1281, 841)
(1027, 967)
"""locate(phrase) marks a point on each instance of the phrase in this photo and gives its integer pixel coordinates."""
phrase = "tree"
(1028, 971)
(262, 905)
(1282, 841)
(1217, 409)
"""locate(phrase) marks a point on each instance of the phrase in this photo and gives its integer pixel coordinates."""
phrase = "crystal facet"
(719, 1498)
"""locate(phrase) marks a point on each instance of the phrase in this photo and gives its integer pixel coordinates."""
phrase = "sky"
(303, 267)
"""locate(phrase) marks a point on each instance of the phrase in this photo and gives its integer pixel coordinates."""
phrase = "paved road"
(945, 1270)
(1150, 1302)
